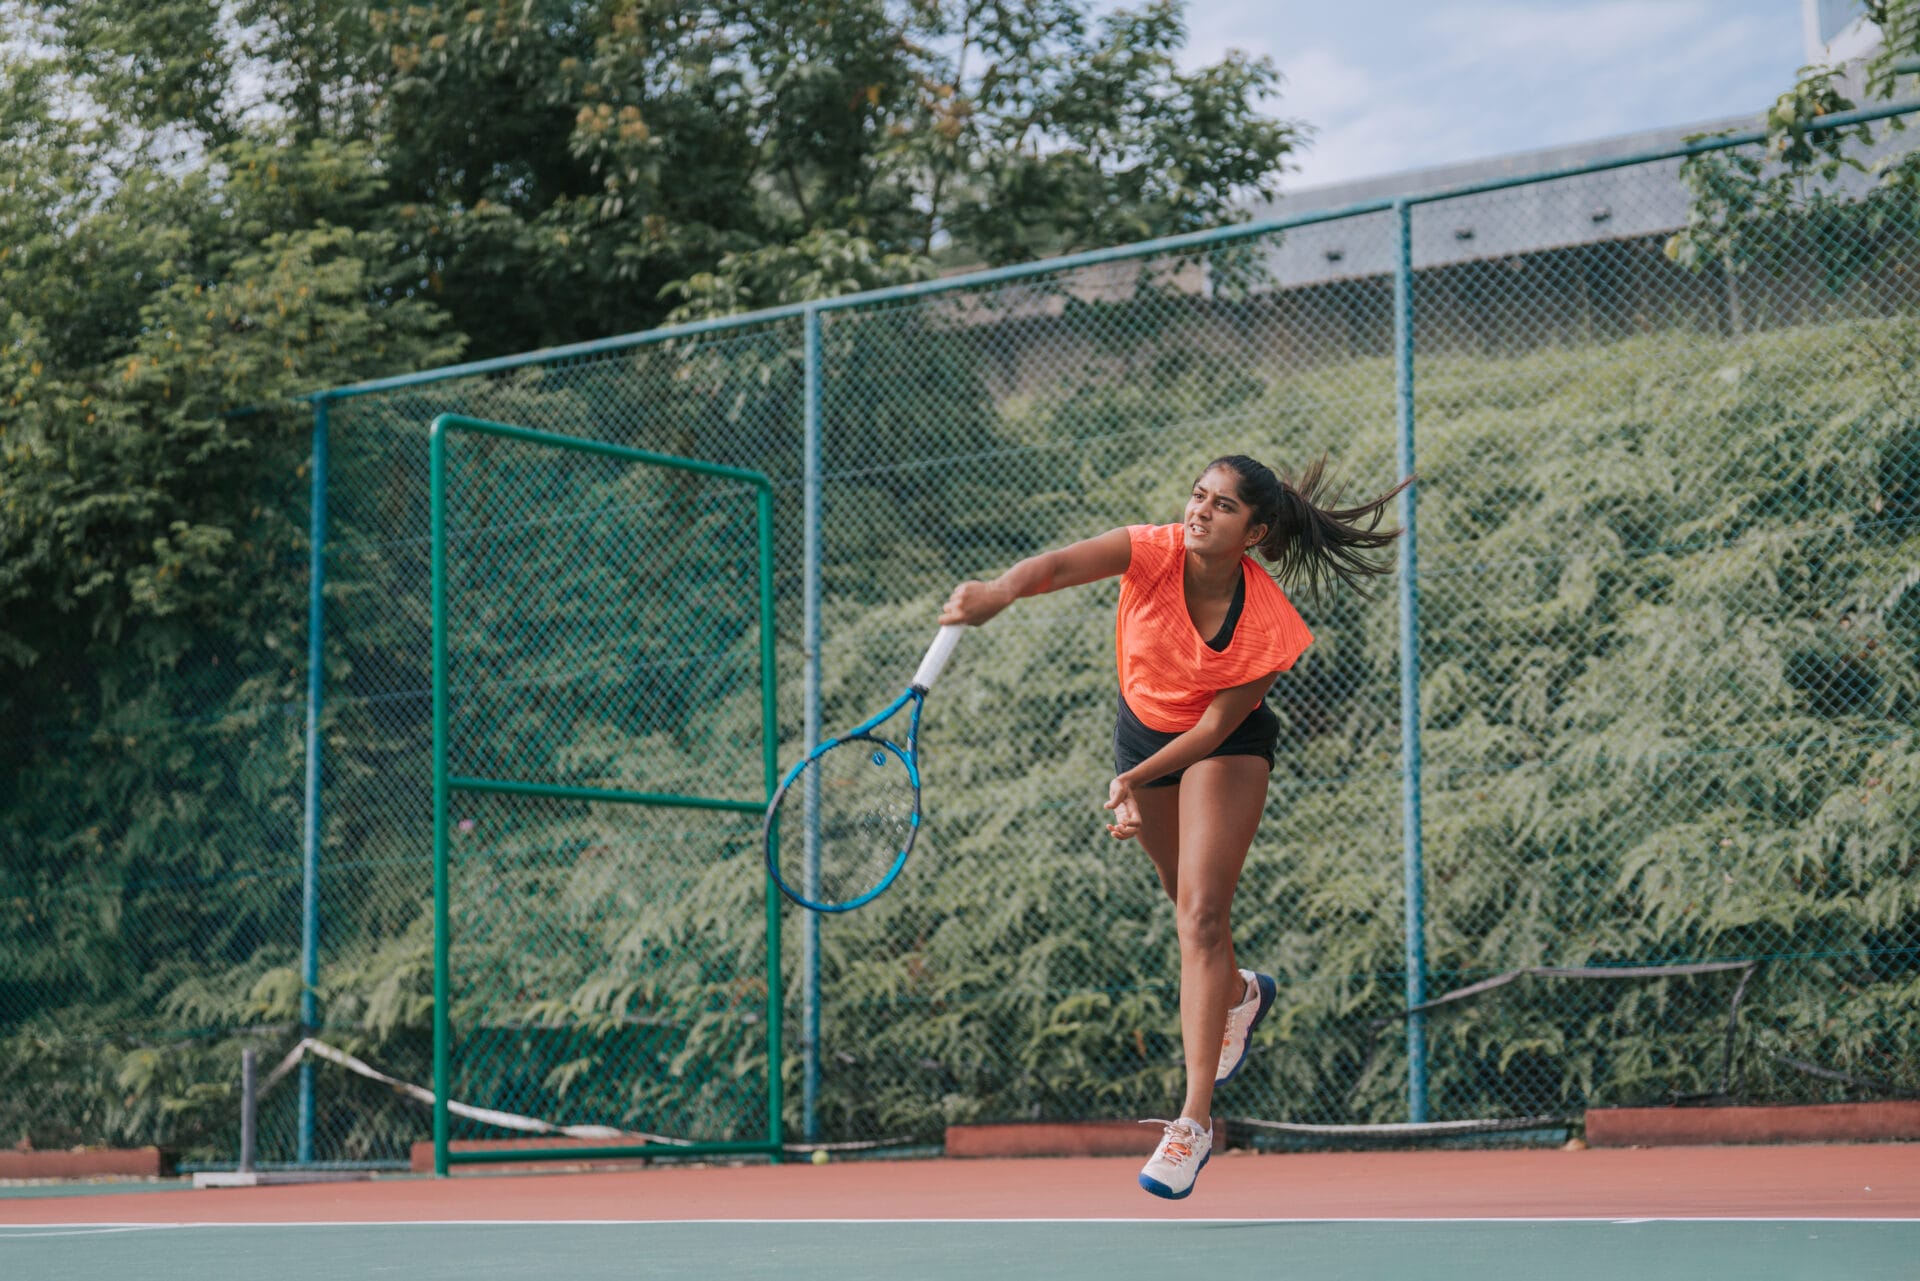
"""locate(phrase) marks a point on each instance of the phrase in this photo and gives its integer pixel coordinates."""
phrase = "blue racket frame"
(863, 734)
(915, 695)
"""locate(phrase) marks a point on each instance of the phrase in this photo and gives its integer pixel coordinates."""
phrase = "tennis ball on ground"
(820, 1158)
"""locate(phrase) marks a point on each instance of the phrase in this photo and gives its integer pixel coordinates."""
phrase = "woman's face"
(1216, 520)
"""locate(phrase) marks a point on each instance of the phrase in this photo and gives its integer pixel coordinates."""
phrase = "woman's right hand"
(1126, 810)
(973, 603)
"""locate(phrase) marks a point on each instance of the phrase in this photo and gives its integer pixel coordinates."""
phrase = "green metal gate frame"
(444, 785)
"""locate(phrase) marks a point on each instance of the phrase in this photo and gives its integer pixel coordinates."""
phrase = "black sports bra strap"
(1224, 637)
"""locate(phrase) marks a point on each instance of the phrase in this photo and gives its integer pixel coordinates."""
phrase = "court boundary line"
(80, 1230)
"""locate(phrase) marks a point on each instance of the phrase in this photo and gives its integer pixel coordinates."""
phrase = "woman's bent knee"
(1203, 925)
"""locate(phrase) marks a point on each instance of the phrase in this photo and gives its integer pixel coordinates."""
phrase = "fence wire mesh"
(602, 633)
(1669, 636)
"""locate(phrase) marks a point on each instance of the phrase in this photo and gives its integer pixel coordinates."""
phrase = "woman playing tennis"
(1202, 633)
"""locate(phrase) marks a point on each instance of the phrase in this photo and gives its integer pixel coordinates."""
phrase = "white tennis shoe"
(1177, 1162)
(1241, 1020)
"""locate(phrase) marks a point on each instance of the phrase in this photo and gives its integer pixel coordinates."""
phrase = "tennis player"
(1202, 633)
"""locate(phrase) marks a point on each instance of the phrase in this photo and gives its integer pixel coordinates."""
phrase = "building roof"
(1614, 204)
(1637, 200)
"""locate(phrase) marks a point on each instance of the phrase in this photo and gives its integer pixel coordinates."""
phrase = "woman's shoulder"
(1154, 547)
(1161, 538)
(1269, 609)
(1263, 591)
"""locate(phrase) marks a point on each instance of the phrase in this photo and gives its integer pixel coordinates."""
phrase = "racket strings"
(863, 801)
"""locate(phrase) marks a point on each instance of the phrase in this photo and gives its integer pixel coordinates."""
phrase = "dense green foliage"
(1671, 678)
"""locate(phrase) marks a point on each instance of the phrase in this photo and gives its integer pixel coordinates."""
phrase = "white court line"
(81, 1230)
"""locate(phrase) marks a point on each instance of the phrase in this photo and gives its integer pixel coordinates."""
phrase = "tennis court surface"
(1819, 1212)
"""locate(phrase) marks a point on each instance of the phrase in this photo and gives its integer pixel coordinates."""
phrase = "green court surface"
(1509, 1250)
(32, 1191)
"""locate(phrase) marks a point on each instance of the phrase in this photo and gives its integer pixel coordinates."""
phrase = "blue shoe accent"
(1160, 1189)
(1268, 989)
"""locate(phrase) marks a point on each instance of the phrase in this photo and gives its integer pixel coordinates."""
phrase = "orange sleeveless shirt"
(1168, 674)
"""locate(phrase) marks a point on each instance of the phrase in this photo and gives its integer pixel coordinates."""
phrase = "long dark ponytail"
(1312, 541)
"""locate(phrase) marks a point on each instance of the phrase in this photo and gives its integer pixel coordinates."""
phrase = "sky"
(1391, 85)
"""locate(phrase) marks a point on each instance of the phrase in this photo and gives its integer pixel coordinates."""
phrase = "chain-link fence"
(150, 878)
(1668, 653)
(605, 728)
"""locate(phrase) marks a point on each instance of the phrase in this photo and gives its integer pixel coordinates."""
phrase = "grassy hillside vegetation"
(1668, 630)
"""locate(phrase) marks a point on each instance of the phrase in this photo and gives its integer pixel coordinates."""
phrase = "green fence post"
(1416, 943)
(810, 727)
(310, 835)
(436, 484)
(770, 757)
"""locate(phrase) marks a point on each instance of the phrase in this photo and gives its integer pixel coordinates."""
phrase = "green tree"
(1743, 197)
(553, 168)
(162, 304)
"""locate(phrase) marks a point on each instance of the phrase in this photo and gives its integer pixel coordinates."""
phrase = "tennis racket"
(866, 798)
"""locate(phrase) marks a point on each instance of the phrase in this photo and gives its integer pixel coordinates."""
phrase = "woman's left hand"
(1126, 812)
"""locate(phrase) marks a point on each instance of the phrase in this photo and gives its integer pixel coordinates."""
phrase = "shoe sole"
(1268, 990)
(1166, 1193)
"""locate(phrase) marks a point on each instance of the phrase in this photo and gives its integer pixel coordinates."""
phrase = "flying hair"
(1311, 540)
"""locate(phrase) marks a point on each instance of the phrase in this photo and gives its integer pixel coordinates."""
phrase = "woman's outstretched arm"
(1086, 561)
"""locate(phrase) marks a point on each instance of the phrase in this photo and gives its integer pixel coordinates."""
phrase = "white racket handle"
(937, 655)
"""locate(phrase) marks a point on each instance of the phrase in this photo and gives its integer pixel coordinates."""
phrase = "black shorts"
(1133, 742)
